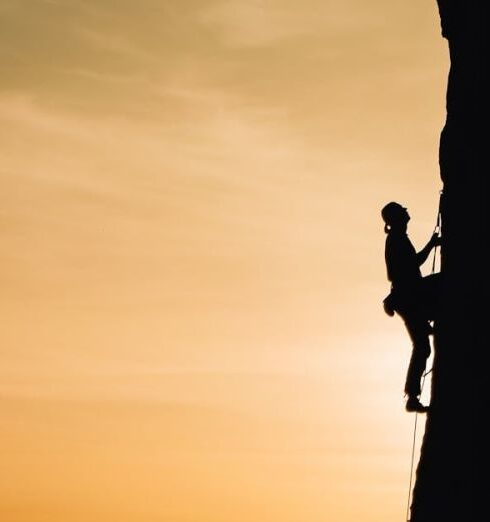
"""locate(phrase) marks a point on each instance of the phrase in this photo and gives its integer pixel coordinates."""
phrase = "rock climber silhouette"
(412, 297)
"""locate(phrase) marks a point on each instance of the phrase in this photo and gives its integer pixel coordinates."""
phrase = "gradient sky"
(192, 255)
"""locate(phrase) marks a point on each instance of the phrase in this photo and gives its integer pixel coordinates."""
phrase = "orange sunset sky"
(192, 255)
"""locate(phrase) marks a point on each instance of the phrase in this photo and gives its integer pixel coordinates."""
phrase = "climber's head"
(395, 216)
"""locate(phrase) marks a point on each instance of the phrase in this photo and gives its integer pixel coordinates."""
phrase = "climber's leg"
(417, 328)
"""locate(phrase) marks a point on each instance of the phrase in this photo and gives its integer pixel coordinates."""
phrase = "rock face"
(448, 486)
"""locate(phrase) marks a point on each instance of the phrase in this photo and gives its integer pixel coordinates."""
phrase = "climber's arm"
(422, 256)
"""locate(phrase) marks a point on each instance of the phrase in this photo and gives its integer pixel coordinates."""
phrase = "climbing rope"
(437, 230)
(413, 451)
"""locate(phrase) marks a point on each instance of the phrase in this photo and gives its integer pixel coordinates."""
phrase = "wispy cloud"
(255, 23)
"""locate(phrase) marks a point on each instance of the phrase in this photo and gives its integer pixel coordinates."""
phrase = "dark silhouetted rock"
(449, 485)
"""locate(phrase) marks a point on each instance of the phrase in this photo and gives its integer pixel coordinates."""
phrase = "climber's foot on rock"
(414, 405)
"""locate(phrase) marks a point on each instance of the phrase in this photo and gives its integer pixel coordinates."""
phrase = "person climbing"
(412, 297)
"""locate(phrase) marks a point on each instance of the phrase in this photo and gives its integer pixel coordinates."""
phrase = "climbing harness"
(437, 230)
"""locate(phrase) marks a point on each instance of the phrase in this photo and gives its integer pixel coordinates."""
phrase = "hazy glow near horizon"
(192, 255)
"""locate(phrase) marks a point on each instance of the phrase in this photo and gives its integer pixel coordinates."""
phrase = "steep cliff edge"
(448, 485)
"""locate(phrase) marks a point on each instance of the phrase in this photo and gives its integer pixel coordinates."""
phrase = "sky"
(192, 259)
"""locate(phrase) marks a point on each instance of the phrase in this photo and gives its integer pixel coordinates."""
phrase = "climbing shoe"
(413, 404)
